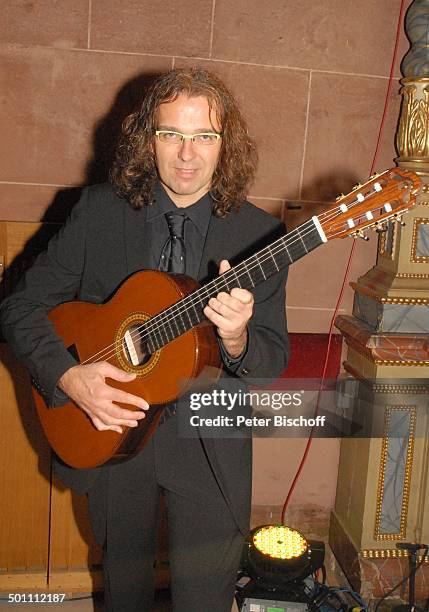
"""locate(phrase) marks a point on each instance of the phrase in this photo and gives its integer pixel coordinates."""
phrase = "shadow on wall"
(327, 188)
(105, 136)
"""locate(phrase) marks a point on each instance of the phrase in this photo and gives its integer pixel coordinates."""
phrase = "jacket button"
(244, 371)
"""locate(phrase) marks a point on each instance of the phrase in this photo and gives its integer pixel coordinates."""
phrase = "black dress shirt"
(195, 233)
(195, 228)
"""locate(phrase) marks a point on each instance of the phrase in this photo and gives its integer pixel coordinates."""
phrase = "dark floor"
(84, 602)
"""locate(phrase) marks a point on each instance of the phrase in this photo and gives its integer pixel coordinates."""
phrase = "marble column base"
(385, 317)
(373, 576)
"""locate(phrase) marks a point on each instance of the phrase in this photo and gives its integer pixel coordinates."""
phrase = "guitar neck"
(188, 312)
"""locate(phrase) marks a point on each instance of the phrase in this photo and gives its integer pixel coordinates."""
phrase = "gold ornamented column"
(383, 481)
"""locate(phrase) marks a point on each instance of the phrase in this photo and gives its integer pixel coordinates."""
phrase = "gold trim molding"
(400, 389)
(388, 553)
(393, 300)
(411, 275)
(407, 475)
(389, 236)
(414, 257)
(412, 138)
(402, 362)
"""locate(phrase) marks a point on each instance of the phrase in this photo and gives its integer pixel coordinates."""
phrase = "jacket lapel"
(209, 265)
(137, 247)
(216, 247)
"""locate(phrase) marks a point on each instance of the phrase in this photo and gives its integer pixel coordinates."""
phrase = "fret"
(197, 320)
(174, 319)
(189, 308)
(295, 250)
(188, 312)
(274, 259)
(256, 271)
(244, 265)
(221, 283)
(280, 254)
(203, 295)
(288, 255)
(268, 260)
(156, 343)
(168, 320)
(300, 237)
(233, 272)
(260, 267)
(182, 322)
(150, 344)
(162, 333)
(189, 319)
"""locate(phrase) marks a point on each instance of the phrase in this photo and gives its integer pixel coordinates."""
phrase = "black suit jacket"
(102, 244)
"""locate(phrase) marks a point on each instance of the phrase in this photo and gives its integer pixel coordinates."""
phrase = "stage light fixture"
(279, 557)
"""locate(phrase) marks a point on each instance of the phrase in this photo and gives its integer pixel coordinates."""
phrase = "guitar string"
(174, 311)
(158, 322)
(206, 288)
(171, 313)
(163, 316)
(161, 319)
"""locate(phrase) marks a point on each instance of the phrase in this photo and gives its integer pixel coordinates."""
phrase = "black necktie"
(173, 254)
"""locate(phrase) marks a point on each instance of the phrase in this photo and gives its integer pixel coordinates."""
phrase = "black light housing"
(279, 557)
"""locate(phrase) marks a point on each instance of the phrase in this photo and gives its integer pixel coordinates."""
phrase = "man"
(185, 153)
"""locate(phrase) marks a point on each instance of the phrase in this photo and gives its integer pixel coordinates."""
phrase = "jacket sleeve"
(267, 350)
(267, 346)
(54, 278)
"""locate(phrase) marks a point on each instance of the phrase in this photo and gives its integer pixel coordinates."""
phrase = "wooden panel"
(24, 453)
(25, 473)
(33, 514)
(22, 581)
(19, 245)
(72, 541)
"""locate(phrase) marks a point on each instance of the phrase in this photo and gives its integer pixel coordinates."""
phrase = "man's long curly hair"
(133, 174)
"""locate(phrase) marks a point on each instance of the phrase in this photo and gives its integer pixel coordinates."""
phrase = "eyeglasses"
(177, 138)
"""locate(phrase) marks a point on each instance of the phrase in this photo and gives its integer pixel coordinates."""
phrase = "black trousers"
(204, 541)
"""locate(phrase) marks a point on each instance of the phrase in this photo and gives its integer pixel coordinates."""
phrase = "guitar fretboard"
(188, 312)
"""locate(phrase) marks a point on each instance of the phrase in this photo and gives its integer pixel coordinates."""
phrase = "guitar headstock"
(386, 196)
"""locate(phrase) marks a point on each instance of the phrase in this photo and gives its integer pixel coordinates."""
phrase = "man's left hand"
(230, 312)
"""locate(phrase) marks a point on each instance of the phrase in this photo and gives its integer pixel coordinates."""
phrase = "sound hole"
(134, 347)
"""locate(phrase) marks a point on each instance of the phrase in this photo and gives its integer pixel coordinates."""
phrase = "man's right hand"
(86, 386)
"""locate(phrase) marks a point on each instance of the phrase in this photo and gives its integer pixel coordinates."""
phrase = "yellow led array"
(279, 542)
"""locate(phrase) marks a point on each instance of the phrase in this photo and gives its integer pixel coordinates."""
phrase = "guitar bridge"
(129, 345)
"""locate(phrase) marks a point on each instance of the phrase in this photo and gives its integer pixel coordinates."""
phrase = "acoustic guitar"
(165, 339)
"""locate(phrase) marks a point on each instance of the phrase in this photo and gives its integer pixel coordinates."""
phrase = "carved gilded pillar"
(383, 481)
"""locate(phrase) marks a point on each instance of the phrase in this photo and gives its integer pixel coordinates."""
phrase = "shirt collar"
(199, 213)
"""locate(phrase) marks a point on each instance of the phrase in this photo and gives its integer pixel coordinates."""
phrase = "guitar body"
(87, 329)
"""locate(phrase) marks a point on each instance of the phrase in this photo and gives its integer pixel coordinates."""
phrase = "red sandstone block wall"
(311, 78)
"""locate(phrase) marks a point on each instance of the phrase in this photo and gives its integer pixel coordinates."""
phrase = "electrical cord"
(401, 582)
(340, 297)
(321, 600)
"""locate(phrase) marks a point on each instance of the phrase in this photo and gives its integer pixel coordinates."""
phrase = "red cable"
(340, 297)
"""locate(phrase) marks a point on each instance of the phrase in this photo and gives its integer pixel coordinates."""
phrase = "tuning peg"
(360, 234)
(340, 197)
(379, 228)
(357, 186)
(398, 219)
